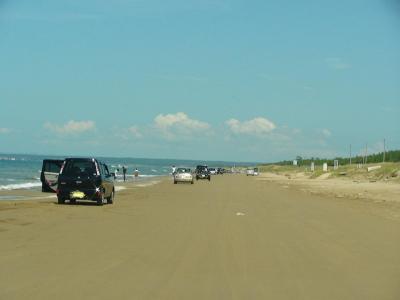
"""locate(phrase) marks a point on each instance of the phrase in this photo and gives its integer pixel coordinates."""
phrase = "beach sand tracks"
(14, 221)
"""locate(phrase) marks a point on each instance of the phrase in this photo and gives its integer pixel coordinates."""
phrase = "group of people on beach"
(125, 171)
(136, 172)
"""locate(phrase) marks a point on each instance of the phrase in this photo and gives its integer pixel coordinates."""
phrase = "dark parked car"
(202, 173)
(85, 179)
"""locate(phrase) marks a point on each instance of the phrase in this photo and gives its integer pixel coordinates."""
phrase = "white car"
(183, 175)
(252, 172)
(212, 171)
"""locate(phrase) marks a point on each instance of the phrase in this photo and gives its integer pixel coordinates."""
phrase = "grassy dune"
(388, 171)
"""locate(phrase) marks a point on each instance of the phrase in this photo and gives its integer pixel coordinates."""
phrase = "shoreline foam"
(20, 186)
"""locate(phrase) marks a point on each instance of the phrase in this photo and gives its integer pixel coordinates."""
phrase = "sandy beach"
(236, 237)
(386, 193)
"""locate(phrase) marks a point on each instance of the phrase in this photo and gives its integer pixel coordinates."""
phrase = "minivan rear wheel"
(110, 200)
(60, 200)
(100, 199)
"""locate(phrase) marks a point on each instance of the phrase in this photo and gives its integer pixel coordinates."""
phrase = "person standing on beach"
(173, 170)
(124, 172)
(136, 173)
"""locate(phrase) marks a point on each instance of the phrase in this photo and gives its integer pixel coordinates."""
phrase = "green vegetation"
(390, 156)
(388, 171)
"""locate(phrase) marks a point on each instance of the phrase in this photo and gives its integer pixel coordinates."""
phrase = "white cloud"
(337, 63)
(257, 126)
(135, 131)
(4, 130)
(296, 131)
(308, 88)
(171, 125)
(326, 132)
(71, 127)
(388, 109)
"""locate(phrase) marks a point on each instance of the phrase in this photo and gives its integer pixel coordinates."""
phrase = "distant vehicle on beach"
(183, 175)
(212, 171)
(85, 179)
(256, 172)
(202, 172)
(252, 172)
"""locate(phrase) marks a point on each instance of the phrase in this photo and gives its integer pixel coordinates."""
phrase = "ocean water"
(23, 171)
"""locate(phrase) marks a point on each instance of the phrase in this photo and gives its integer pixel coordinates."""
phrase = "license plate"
(77, 195)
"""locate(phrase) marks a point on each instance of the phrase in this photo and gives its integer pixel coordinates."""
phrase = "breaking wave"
(19, 186)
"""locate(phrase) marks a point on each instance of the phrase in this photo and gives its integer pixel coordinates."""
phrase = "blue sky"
(226, 80)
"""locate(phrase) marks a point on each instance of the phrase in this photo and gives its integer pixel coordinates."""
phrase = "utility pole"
(384, 149)
(363, 159)
(366, 152)
(350, 154)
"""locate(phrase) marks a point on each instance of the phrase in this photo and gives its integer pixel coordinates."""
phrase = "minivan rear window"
(52, 167)
(79, 167)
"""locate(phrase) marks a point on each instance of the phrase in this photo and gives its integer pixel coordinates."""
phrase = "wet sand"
(235, 237)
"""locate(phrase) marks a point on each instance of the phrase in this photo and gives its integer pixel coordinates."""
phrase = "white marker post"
(325, 167)
(335, 164)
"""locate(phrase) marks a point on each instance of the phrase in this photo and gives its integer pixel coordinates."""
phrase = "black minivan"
(202, 172)
(85, 179)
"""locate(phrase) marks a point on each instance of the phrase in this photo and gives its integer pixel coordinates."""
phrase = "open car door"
(49, 176)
